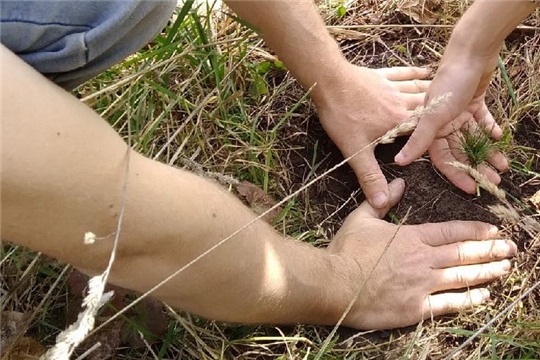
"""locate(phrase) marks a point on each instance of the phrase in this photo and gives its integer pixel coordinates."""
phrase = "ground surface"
(429, 197)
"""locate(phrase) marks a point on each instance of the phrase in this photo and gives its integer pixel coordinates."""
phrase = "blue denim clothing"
(70, 41)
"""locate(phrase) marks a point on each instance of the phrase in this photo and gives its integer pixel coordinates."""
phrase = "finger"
(416, 146)
(459, 277)
(491, 174)
(396, 189)
(448, 303)
(403, 73)
(473, 252)
(499, 161)
(441, 156)
(485, 119)
(413, 86)
(413, 101)
(437, 234)
(437, 113)
(456, 124)
(371, 178)
(418, 142)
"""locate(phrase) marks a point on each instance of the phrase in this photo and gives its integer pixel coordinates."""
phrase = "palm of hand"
(447, 146)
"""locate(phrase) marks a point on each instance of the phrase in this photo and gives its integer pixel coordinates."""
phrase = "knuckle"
(369, 179)
(460, 253)
(448, 307)
(480, 230)
(496, 251)
(427, 257)
(424, 234)
(447, 231)
(461, 279)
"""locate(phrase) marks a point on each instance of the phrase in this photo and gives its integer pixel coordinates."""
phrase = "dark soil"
(429, 197)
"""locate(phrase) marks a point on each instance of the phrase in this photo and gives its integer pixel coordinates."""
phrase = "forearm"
(486, 24)
(63, 174)
(296, 32)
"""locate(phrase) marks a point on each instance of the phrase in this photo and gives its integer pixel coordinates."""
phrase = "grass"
(207, 91)
(477, 145)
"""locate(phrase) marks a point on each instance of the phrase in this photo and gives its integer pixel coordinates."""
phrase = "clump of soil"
(429, 195)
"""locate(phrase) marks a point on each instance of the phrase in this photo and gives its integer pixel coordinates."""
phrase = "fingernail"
(513, 247)
(509, 248)
(399, 181)
(502, 249)
(506, 265)
(493, 231)
(400, 158)
(379, 199)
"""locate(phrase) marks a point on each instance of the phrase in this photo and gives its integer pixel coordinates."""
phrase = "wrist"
(319, 286)
(483, 28)
(328, 81)
(472, 42)
(332, 85)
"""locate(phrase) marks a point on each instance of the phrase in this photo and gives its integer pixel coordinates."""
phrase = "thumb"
(365, 210)
(404, 73)
(371, 178)
(439, 110)
(420, 140)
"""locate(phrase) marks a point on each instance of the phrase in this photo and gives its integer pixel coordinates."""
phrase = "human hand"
(466, 78)
(419, 269)
(364, 105)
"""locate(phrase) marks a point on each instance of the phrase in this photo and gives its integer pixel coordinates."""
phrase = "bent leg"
(72, 41)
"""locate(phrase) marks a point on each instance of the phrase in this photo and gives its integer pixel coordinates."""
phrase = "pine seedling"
(477, 145)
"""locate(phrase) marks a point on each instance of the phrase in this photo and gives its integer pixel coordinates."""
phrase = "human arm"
(356, 105)
(465, 71)
(63, 173)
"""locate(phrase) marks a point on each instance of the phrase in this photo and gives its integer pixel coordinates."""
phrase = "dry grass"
(231, 111)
